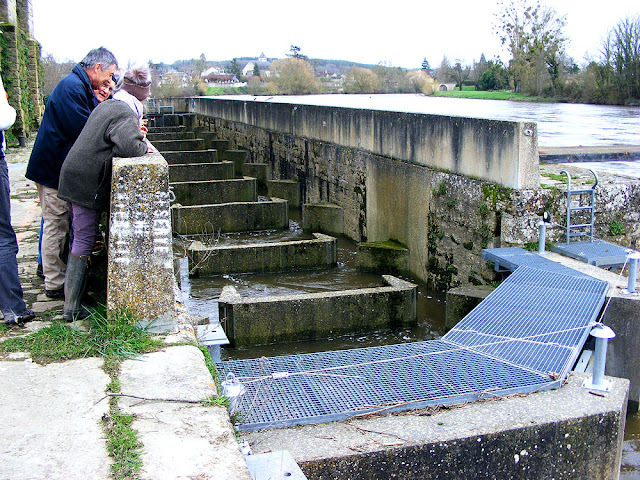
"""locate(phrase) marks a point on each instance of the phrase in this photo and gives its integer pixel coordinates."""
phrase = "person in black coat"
(66, 113)
(112, 130)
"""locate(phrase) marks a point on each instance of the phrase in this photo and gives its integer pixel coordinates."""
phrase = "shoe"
(59, 293)
(12, 319)
(27, 316)
(74, 286)
(39, 271)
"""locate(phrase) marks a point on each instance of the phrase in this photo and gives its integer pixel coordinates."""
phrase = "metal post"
(542, 228)
(633, 273)
(602, 334)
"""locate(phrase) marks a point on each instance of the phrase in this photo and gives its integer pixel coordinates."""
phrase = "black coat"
(112, 130)
(65, 114)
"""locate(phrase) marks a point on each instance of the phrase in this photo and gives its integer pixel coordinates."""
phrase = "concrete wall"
(445, 219)
(498, 151)
(266, 320)
(320, 252)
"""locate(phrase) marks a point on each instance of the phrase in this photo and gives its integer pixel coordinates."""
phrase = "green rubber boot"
(74, 284)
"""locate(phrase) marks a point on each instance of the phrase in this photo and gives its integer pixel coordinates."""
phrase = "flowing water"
(559, 125)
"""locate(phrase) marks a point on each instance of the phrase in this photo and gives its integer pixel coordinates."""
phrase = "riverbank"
(154, 415)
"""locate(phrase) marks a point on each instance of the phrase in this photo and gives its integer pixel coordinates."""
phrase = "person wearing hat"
(12, 304)
(112, 130)
(67, 110)
(135, 88)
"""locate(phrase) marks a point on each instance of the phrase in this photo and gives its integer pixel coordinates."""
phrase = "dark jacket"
(65, 114)
(112, 130)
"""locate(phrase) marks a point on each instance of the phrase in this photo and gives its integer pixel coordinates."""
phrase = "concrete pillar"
(383, 257)
(140, 276)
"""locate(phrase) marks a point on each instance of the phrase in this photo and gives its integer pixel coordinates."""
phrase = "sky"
(401, 34)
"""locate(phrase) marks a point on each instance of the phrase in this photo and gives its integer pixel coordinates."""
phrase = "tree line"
(538, 66)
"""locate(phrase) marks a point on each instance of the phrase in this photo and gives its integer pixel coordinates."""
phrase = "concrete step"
(230, 217)
(193, 172)
(182, 135)
(215, 191)
(179, 145)
(193, 156)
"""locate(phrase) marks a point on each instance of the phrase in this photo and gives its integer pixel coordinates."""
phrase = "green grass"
(227, 91)
(115, 336)
(498, 95)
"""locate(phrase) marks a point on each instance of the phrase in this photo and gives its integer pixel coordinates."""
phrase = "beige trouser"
(54, 233)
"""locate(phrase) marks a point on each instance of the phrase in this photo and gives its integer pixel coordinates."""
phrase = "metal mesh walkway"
(523, 337)
(600, 253)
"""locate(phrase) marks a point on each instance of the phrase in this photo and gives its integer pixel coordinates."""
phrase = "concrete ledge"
(177, 145)
(238, 157)
(180, 135)
(260, 171)
(323, 217)
(179, 128)
(320, 252)
(218, 144)
(181, 439)
(310, 316)
(195, 156)
(194, 172)
(230, 217)
(461, 300)
(383, 257)
(563, 433)
(215, 191)
(287, 189)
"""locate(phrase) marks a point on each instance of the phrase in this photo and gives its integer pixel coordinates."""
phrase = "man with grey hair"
(66, 112)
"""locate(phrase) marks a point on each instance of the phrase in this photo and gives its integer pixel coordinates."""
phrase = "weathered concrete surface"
(180, 135)
(461, 300)
(182, 439)
(50, 420)
(589, 154)
(565, 433)
(260, 171)
(215, 191)
(230, 217)
(140, 240)
(323, 217)
(238, 157)
(319, 252)
(287, 189)
(174, 145)
(498, 151)
(194, 172)
(194, 156)
(383, 257)
(312, 316)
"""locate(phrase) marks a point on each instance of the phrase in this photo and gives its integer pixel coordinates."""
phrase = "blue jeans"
(10, 289)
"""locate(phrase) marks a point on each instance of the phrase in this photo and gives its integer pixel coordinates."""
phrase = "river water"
(559, 124)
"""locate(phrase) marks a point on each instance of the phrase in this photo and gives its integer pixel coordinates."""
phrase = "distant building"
(263, 64)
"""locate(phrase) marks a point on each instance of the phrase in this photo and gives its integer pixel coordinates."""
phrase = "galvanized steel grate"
(599, 252)
(523, 337)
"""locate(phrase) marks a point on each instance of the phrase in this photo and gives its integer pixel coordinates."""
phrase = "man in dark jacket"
(66, 113)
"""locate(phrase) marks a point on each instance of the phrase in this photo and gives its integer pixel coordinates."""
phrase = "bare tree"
(361, 80)
(292, 76)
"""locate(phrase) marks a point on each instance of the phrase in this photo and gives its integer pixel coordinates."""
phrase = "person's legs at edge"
(84, 225)
(11, 302)
(56, 226)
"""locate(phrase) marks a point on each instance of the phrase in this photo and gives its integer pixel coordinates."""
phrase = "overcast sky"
(397, 33)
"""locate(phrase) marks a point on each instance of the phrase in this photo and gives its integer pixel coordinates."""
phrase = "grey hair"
(99, 55)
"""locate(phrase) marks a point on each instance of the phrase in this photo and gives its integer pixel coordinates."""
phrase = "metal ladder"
(590, 193)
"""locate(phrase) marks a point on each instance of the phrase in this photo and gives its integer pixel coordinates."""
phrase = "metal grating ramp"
(599, 252)
(523, 337)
